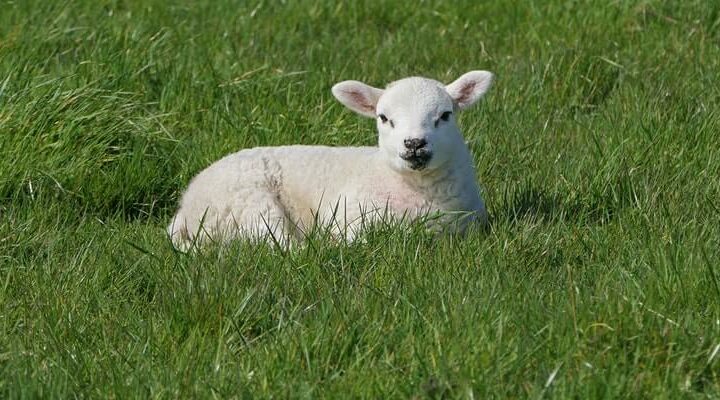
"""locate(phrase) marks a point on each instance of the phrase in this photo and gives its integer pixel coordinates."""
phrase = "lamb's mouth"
(417, 159)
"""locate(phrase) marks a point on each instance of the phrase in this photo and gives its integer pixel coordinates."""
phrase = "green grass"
(598, 151)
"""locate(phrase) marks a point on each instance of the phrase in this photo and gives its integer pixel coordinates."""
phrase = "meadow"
(597, 151)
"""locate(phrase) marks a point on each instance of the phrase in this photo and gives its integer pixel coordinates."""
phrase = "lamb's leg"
(269, 223)
(350, 221)
(179, 233)
(257, 216)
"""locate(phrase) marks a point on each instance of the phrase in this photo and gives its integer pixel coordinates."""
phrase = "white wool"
(421, 166)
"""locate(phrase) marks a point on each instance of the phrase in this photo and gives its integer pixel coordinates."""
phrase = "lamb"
(421, 166)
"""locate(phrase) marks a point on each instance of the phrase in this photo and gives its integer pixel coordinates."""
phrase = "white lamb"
(422, 166)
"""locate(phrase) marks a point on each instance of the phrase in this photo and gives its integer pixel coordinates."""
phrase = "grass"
(597, 151)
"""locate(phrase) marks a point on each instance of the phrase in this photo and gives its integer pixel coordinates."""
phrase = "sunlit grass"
(597, 150)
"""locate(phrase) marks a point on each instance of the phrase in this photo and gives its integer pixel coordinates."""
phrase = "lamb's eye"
(444, 116)
(383, 118)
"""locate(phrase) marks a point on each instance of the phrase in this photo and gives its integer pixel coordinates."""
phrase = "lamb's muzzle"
(417, 154)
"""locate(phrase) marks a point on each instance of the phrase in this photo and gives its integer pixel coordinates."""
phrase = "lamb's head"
(415, 116)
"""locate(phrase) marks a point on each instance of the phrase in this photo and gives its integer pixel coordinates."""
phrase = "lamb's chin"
(415, 167)
(408, 168)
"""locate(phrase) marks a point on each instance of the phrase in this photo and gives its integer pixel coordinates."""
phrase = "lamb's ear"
(469, 88)
(358, 97)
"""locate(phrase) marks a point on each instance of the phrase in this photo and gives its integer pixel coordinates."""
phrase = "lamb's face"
(416, 125)
(415, 117)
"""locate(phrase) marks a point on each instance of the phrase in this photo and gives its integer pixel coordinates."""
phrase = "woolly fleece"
(278, 193)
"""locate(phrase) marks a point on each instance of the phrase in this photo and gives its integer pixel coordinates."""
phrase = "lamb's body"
(422, 166)
(286, 190)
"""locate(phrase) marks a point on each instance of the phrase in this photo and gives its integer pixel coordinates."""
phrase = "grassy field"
(597, 151)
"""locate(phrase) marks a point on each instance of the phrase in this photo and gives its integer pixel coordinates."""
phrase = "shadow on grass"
(542, 206)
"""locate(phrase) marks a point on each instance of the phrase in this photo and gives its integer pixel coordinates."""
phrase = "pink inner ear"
(361, 101)
(466, 91)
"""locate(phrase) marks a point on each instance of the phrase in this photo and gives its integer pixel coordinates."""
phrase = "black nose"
(414, 144)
